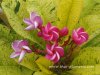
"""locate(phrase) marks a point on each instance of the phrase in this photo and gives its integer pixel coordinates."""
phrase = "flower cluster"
(51, 35)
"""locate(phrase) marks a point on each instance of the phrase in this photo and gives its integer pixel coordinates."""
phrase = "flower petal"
(15, 45)
(49, 51)
(64, 32)
(27, 49)
(23, 43)
(27, 21)
(38, 20)
(35, 25)
(31, 27)
(55, 60)
(14, 54)
(58, 56)
(48, 56)
(22, 55)
(85, 35)
(80, 30)
(53, 57)
(33, 15)
(60, 50)
(55, 35)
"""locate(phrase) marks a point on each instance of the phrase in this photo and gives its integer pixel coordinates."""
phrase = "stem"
(37, 51)
(69, 54)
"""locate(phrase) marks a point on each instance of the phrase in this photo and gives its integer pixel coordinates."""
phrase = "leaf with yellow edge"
(44, 64)
(68, 12)
(74, 13)
(63, 8)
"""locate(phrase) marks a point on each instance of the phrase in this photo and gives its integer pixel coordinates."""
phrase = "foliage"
(69, 13)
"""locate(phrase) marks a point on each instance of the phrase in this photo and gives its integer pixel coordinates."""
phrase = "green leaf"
(44, 64)
(74, 14)
(21, 6)
(69, 15)
(46, 8)
(63, 7)
(91, 23)
(89, 70)
(96, 10)
(94, 40)
(88, 56)
(87, 7)
(97, 1)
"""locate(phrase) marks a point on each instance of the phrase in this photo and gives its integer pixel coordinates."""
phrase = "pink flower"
(20, 49)
(33, 22)
(54, 52)
(63, 32)
(79, 36)
(49, 32)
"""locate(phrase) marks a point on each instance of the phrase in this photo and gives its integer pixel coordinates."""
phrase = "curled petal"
(38, 20)
(60, 50)
(74, 34)
(31, 27)
(48, 56)
(15, 46)
(55, 35)
(27, 21)
(49, 51)
(27, 49)
(48, 26)
(14, 54)
(23, 43)
(80, 30)
(21, 55)
(58, 56)
(85, 35)
(55, 60)
(33, 15)
(53, 57)
(64, 32)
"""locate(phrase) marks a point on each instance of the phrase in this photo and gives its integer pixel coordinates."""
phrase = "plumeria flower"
(20, 48)
(49, 32)
(63, 32)
(79, 36)
(54, 52)
(33, 22)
